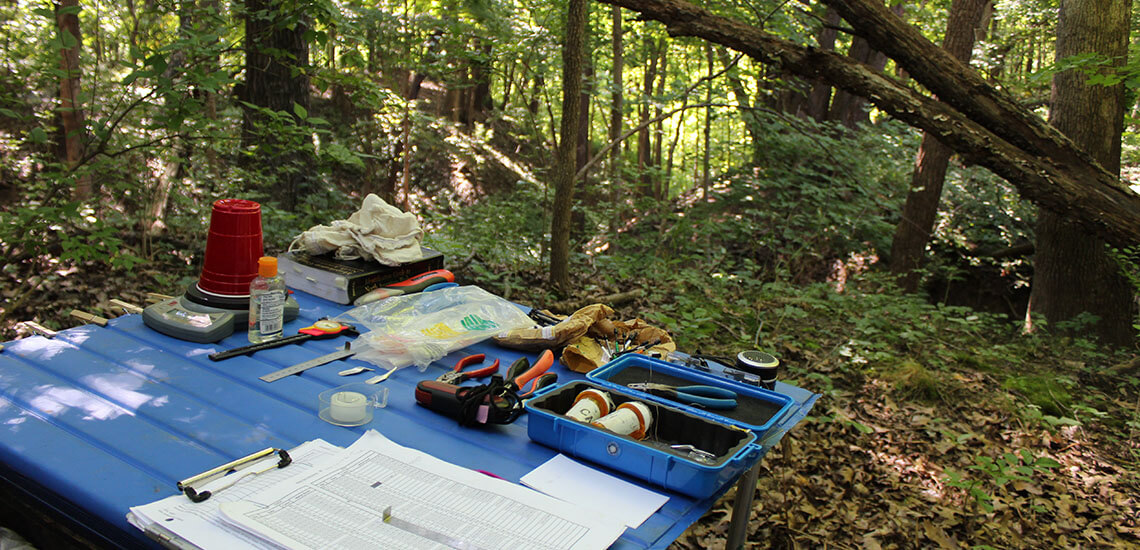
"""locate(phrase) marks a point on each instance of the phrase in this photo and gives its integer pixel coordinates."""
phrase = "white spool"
(590, 405)
(348, 407)
(633, 419)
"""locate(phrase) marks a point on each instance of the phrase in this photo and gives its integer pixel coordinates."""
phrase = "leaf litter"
(873, 468)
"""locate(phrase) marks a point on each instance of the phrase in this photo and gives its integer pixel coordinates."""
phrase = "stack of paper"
(177, 522)
(375, 494)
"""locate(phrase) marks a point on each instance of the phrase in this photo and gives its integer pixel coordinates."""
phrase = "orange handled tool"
(518, 375)
(459, 376)
(410, 286)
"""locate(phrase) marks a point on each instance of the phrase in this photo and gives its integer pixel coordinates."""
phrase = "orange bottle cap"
(267, 266)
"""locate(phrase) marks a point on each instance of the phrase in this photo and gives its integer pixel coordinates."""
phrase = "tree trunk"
(617, 107)
(208, 12)
(1073, 270)
(705, 156)
(508, 85)
(617, 115)
(154, 219)
(983, 124)
(70, 109)
(659, 184)
(276, 78)
(850, 109)
(583, 139)
(743, 103)
(820, 95)
(572, 52)
(913, 231)
(644, 144)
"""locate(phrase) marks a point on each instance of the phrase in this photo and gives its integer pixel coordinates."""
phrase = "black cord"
(505, 404)
(542, 318)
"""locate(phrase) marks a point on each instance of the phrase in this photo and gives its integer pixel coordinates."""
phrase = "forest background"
(561, 153)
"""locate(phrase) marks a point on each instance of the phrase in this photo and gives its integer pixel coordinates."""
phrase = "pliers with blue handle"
(709, 397)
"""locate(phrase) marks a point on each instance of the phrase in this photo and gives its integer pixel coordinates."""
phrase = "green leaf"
(1063, 421)
(300, 111)
(38, 135)
(68, 40)
(317, 121)
(8, 113)
(1046, 462)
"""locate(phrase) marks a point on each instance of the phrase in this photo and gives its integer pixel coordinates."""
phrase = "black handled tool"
(492, 403)
(320, 330)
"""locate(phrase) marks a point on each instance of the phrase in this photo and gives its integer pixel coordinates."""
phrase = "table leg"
(742, 508)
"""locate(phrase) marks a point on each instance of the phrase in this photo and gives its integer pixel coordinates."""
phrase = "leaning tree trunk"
(1073, 270)
(983, 124)
(913, 231)
(567, 146)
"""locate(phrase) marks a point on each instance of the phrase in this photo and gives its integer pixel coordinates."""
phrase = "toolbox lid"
(757, 409)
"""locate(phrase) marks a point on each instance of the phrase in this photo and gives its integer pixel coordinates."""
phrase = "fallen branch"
(574, 304)
(988, 131)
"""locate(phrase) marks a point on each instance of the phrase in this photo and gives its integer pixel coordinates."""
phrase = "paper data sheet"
(432, 503)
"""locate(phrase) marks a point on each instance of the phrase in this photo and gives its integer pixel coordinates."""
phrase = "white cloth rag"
(378, 231)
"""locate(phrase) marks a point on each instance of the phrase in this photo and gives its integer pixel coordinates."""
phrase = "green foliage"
(476, 234)
(68, 231)
(1048, 392)
(993, 474)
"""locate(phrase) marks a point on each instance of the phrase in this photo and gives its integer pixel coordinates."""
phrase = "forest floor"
(900, 459)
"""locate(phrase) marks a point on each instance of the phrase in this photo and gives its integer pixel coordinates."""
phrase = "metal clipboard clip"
(187, 485)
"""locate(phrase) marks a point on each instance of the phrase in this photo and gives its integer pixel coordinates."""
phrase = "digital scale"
(187, 318)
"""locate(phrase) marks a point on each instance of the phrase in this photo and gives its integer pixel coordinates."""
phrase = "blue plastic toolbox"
(687, 449)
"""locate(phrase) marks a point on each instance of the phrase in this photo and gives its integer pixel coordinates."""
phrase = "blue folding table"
(99, 419)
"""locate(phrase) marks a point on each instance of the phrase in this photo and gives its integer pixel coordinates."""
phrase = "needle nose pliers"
(709, 397)
(458, 375)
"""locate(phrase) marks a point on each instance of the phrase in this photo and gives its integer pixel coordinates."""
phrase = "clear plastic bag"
(424, 327)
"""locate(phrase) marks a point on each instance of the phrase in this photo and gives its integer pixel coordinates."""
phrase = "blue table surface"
(99, 419)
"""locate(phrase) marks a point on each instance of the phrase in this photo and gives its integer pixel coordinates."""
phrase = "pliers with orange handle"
(458, 375)
(521, 373)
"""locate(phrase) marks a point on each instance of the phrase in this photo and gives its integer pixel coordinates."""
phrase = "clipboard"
(187, 485)
(179, 523)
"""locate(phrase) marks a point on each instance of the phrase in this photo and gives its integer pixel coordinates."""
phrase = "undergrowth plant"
(990, 476)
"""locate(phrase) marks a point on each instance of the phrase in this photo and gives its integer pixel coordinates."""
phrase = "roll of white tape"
(348, 407)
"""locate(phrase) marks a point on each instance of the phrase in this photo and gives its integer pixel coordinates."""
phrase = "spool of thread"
(590, 405)
(633, 419)
(764, 365)
(348, 407)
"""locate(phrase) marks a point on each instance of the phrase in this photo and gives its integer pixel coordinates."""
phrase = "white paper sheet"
(200, 524)
(341, 506)
(567, 480)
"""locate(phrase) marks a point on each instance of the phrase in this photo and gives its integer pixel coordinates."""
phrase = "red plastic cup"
(233, 247)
